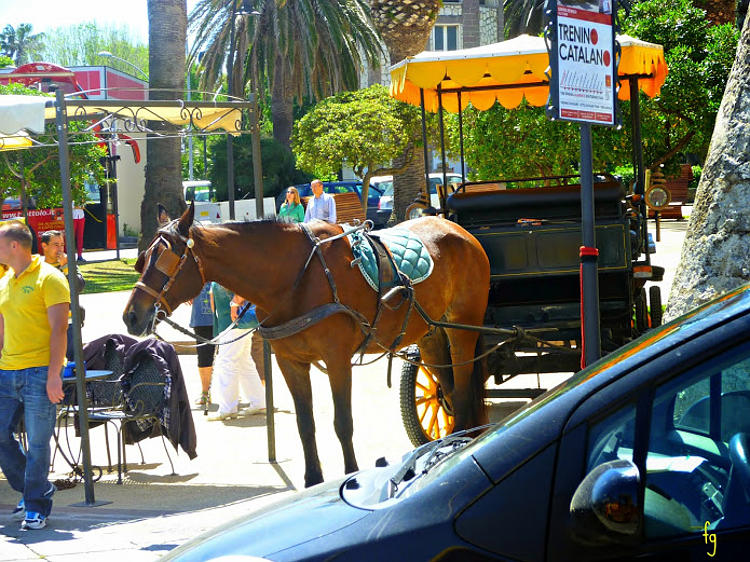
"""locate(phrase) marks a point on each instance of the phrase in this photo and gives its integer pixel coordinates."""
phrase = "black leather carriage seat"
(548, 203)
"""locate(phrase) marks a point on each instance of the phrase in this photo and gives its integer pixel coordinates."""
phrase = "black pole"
(230, 145)
(640, 172)
(461, 138)
(255, 126)
(424, 145)
(442, 146)
(589, 269)
(270, 424)
(61, 123)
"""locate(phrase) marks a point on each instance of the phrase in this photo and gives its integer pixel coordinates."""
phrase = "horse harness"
(170, 263)
(319, 313)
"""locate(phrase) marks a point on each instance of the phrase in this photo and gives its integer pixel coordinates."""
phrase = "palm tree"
(523, 16)
(405, 28)
(167, 32)
(16, 43)
(302, 48)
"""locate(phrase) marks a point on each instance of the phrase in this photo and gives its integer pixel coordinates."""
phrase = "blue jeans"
(24, 393)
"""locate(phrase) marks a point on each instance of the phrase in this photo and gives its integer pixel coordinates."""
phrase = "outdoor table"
(65, 411)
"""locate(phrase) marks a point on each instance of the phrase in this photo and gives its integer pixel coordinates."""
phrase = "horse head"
(171, 273)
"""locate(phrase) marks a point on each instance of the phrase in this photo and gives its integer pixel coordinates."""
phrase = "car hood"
(310, 514)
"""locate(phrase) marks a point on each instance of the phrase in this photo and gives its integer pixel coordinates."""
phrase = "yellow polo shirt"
(23, 304)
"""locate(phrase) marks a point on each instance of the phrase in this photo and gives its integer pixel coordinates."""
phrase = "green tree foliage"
(522, 142)
(17, 43)
(699, 57)
(5, 61)
(36, 171)
(501, 143)
(78, 45)
(366, 130)
(301, 48)
(277, 164)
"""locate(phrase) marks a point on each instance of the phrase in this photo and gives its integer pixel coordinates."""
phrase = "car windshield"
(730, 304)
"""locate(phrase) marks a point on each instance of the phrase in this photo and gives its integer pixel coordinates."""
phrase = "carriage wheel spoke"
(431, 431)
(425, 400)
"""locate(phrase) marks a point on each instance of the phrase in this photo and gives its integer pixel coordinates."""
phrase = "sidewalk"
(153, 511)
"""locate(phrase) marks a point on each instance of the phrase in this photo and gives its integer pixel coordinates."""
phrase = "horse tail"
(479, 377)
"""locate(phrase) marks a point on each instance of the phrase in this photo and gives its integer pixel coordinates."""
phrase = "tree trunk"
(405, 29)
(167, 25)
(716, 251)
(719, 11)
(282, 104)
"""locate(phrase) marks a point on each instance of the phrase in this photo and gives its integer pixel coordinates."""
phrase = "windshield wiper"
(407, 470)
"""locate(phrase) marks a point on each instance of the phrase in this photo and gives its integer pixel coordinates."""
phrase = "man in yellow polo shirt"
(34, 303)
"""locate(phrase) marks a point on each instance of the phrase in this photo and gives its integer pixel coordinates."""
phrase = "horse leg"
(434, 350)
(340, 378)
(469, 408)
(297, 376)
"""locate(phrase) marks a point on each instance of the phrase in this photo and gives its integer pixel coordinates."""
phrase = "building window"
(445, 37)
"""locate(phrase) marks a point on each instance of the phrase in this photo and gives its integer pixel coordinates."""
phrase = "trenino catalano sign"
(583, 65)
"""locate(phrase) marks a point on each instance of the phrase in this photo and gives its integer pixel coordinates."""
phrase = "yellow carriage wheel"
(425, 410)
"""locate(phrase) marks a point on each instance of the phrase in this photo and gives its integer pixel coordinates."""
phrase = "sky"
(44, 15)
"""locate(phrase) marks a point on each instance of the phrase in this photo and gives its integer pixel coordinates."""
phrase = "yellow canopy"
(15, 142)
(507, 72)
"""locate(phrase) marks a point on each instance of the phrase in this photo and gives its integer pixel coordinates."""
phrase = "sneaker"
(19, 512)
(34, 521)
(252, 410)
(221, 416)
(81, 260)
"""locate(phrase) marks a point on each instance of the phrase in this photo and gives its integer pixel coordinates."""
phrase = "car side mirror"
(605, 507)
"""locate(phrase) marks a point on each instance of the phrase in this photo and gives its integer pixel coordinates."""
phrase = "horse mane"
(241, 227)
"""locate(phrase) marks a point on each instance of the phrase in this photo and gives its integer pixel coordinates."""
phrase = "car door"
(681, 424)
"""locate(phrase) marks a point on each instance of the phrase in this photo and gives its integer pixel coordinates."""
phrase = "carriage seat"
(549, 203)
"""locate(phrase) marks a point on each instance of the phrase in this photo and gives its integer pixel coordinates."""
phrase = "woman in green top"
(292, 209)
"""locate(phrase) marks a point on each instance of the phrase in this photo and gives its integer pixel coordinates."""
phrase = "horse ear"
(186, 220)
(162, 217)
(140, 262)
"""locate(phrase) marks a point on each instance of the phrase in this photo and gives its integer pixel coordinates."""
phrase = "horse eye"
(140, 261)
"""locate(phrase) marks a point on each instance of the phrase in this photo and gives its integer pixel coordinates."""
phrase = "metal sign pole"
(589, 259)
(583, 56)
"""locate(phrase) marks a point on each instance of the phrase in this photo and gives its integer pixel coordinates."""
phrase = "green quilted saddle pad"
(409, 255)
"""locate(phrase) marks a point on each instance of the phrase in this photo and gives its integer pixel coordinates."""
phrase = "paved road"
(153, 510)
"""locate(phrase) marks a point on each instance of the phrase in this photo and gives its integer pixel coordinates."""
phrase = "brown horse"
(268, 263)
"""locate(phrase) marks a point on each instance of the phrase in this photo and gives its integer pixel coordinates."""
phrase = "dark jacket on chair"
(177, 418)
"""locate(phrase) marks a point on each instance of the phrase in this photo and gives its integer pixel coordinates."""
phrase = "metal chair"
(138, 404)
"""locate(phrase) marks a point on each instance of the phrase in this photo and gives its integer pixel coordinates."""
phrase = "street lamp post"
(108, 55)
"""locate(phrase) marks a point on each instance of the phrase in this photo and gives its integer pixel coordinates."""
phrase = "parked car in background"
(643, 455)
(346, 186)
(385, 205)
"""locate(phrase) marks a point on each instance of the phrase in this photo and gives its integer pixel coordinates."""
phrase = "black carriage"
(532, 235)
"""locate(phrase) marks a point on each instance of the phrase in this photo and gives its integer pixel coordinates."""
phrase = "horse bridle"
(170, 264)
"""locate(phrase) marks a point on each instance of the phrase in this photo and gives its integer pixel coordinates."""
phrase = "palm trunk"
(167, 30)
(282, 105)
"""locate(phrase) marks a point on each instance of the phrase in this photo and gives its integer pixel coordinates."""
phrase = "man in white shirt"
(322, 206)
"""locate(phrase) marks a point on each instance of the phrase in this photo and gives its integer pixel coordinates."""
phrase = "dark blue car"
(643, 455)
(347, 186)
